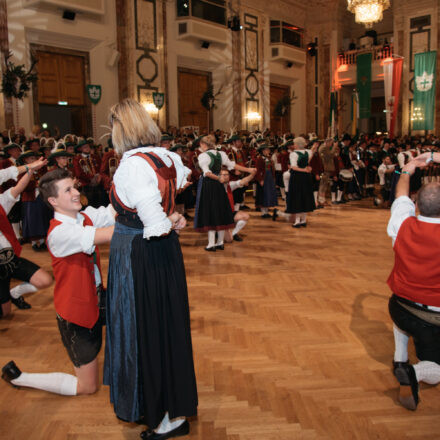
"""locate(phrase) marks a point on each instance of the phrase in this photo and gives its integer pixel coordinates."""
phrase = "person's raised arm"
(402, 188)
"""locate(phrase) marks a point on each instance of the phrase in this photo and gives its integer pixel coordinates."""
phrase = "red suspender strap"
(8, 232)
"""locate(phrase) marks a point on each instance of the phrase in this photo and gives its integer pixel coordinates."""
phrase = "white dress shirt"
(72, 237)
(137, 187)
(204, 161)
(7, 201)
(235, 184)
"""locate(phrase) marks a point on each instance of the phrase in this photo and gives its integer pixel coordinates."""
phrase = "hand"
(252, 170)
(317, 177)
(410, 167)
(39, 163)
(177, 221)
(261, 182)
(308, 169)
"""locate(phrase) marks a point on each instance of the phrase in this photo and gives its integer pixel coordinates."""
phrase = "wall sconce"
(253, 117)
(151, 108)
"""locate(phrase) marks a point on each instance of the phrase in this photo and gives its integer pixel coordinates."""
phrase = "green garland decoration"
(16, 81)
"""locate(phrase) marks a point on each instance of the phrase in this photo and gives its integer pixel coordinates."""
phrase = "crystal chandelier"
(368, 12)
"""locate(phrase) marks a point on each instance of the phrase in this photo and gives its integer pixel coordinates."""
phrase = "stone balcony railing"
(379, 53)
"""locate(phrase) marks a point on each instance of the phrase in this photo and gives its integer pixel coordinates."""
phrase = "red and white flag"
(392, 70)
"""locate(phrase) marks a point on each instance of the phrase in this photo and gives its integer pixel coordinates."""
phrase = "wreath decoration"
(16, 81)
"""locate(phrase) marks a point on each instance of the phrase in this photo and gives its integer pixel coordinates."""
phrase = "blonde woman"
(148, 361)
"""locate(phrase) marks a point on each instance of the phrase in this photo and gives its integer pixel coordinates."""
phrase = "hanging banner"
(354, 112)
(392, 70)
(363, 84)
(424, 91)
(332, 118)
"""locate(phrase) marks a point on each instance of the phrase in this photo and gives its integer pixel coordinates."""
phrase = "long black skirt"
(300, 197)
(149, 360)
(164, 334)
(213, 211)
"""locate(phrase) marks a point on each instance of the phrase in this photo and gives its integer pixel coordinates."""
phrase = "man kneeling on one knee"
(240, 217)
(415, 282)
(72, 241)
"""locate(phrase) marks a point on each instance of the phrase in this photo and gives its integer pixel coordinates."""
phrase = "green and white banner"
(363, 84)
(424, 91)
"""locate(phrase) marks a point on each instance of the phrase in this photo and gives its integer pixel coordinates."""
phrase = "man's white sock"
(265, 210)
(21, 289)
(16, 228)
(237, 207)
(220, 238)
(428, 372)
(59, 383)
(283, 193)
(315, 195)
(333, 197)
(339, 195)
(167, 425)
(239, 226)
(400, 345)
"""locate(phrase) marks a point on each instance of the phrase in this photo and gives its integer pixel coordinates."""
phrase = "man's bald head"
(428, 200)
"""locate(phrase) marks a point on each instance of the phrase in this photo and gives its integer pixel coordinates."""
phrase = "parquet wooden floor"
(291, 333)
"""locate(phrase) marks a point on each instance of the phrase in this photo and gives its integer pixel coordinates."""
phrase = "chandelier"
(368, 12)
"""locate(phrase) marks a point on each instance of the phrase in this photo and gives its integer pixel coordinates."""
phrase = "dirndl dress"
(148, 355)
(266, 196)
(36, 217)
(213, 211)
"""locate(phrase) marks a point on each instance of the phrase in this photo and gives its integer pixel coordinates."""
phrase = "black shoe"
(303, 225)
(20, 303)
(297, 225)
(266, 216)
(220, 247)
(10, 372)
(188, 217)
(275, 214)
(258, 209)
(245, 208)
(210, 249)
(319, 206)
(180, 431)
(36, 248)
(409, 387)
(236, 237)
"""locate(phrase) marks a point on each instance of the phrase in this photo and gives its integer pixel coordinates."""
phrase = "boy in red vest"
(72, 239)
(415, 282)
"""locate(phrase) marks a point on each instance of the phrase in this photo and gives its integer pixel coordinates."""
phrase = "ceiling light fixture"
(368, 12)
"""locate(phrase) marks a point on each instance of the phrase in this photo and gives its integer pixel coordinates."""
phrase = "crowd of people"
(137, 192)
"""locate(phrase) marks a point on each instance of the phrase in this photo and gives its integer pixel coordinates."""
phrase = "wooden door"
(61, 77)
(192, 86)
(278, 123)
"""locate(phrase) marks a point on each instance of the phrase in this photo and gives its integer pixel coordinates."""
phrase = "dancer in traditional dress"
(213, 213)
(266, 190)
(148, 360)
(300, 198)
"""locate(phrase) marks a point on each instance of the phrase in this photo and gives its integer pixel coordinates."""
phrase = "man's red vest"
(416, 272)
(75, 297)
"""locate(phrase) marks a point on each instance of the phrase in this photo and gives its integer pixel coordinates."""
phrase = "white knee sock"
(21, 289)
(220, 237)
(298, 218)
(211, 239)
(428, 372)
(264, 210)
(59, 383)
(400, 345)
(303, 217)
(236, 206)
(283, 193)
(239, 226)
(333, 197)
(167, 425)
(339, 195)
(16, 228)
(315, 195)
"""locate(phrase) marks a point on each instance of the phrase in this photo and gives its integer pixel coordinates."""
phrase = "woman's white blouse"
(137, 187)
(293, 157)
(204, 160)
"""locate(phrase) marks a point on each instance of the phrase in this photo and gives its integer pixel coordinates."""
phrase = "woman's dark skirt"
(149, 360)
(300, 197)
(213, 211)
(266, 196)
(36, 217)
